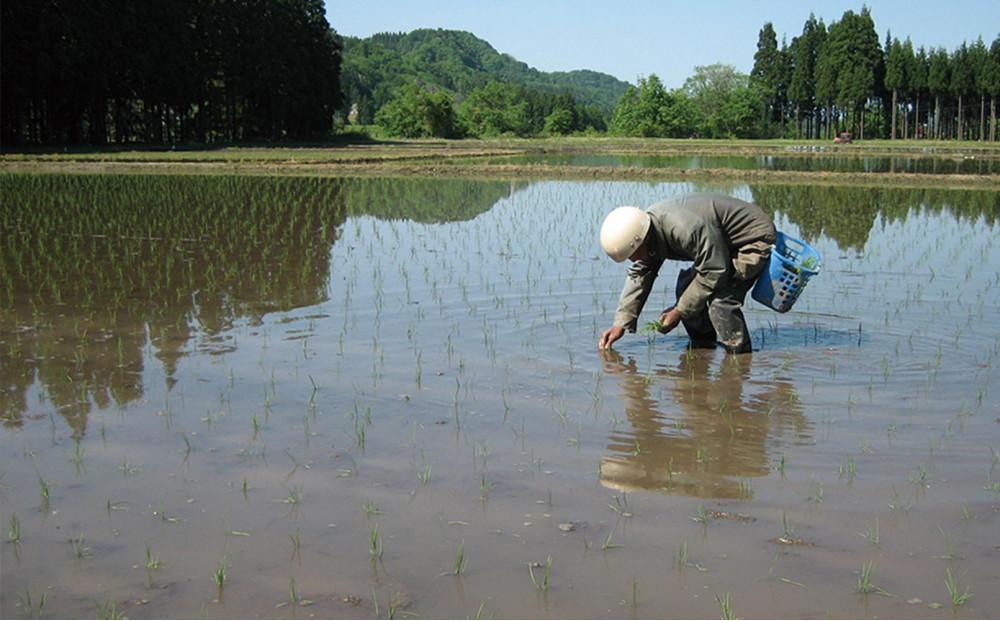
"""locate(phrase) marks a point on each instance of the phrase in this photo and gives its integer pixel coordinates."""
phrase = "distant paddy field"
(935, 164)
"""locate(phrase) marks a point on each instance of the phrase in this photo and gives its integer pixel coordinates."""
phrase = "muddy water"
(330, 388)
(965, 165)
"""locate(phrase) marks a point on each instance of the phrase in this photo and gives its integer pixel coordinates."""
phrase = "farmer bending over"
(729, 241)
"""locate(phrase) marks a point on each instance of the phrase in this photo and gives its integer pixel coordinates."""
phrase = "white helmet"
(623, 232)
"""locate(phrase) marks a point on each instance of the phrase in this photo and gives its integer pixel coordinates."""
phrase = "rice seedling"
(788, 532)
(31, 605)
(865, 584)
(14, 530)
(681, 558)
(109, 610)
(80, 549)
(485, 485)
(621, 506)
(815, 491)
(220, 576)
(726, 604)
(293, 498)
(955, 593)
(701, 516)
(370, 509)
(542, 584)
(393, 605)
(152, 561)
(460, 561)
(849, 470)
(607, 544)
(126, 468)
(43, 490)
(424, 476)
(374, 544)
(296, 539)
(872, 534)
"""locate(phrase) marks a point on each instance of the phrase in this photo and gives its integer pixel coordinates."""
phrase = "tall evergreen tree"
(918, 83)
(993, 84)
(978, 58)
(896, 78)
(802, 86)
(963, 80)
(938, 83)
(766, 73)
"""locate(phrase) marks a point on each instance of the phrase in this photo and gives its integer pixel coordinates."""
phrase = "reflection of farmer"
(705, 437)
(729, 241)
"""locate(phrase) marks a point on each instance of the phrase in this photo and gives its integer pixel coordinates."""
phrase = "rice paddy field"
(295, 397)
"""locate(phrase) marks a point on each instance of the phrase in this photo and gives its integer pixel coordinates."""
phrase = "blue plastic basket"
(793, 262)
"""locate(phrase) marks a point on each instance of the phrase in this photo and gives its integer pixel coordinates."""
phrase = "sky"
(636, 38)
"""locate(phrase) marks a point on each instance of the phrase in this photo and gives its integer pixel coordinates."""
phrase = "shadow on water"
(698, 428)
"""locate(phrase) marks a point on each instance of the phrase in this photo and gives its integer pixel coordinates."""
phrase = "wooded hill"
(376, 69)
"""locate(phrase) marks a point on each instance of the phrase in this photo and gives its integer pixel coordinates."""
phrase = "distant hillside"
(375, 68)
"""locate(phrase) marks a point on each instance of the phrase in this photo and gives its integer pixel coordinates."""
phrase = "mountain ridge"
(376, 67)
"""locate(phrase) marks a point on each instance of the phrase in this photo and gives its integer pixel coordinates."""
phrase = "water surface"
(965, 165)
(331, 387)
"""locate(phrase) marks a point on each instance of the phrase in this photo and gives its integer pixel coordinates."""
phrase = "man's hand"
(669, 320)
(610, 335)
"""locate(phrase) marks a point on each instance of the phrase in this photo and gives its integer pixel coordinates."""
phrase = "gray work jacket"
(708, 229)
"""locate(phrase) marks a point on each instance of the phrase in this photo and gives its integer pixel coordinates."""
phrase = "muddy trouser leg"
(725, 308)
(699, 327)
(726, 315)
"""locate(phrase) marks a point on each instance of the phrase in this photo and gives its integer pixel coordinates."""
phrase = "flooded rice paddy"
(260, 397)
(965, 165)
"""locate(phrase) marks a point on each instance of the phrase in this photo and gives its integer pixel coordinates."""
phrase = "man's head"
(623, 233)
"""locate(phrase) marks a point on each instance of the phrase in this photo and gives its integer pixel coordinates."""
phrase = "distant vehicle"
(843, 138)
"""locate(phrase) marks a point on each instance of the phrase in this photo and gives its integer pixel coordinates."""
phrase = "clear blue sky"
(627, 38)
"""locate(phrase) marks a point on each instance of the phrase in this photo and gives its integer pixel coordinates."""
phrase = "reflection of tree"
(847, 213)
(719, 437)
(94, 267)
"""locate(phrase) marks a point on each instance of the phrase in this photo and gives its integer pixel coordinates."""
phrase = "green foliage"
(651, 111)
(499, 109)
(725, 103)
(495, 110)
(167, 72)
(802, 88)
(417, 113)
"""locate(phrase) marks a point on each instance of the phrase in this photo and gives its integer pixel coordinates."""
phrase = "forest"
(166, 72)
(204, 72)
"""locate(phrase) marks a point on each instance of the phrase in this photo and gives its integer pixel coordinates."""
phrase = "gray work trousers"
(721, 319)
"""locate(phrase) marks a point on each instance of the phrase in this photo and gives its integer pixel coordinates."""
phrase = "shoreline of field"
(458, 159)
